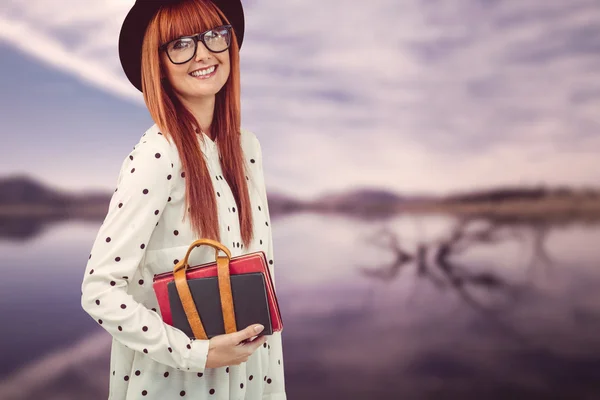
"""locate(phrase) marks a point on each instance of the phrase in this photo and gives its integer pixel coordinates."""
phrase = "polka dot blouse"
(145, 233)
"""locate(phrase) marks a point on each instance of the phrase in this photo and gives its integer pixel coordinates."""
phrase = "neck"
(202, 109)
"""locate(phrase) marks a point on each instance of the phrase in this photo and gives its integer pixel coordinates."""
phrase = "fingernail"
(259, 328)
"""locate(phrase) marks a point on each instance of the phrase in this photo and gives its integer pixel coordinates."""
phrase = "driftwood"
(435, 261)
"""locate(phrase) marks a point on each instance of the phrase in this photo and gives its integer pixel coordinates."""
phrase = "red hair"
(176, 122)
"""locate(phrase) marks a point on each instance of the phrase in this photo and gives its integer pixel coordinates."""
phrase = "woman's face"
(190, 85)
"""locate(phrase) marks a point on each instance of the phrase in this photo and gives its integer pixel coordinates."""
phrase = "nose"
(201, 51)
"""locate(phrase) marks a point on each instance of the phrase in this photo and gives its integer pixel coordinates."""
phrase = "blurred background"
(433, 177)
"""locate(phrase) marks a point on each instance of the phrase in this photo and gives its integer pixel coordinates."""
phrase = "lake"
(409, 307)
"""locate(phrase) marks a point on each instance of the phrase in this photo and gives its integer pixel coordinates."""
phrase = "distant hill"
(23, 196)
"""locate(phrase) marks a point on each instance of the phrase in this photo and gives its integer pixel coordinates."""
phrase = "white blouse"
(144, 234)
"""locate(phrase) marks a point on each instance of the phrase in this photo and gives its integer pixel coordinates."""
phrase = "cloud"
(411, 95)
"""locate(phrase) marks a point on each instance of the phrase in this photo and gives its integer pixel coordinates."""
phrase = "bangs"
(187, 18)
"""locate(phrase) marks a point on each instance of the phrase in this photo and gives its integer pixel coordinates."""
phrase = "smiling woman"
(194, 174)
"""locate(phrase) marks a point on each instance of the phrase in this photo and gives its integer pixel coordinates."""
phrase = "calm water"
(413, 307)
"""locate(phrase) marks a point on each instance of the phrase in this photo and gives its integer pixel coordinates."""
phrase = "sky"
(414, 96)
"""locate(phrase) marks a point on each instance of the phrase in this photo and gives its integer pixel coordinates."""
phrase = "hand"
(233, 348)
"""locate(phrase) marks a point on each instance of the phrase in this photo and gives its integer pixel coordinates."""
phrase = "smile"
(204, 73)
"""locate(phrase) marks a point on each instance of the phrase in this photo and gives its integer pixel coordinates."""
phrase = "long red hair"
(176, 122)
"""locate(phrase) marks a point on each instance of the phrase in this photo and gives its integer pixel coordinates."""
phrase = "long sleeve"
(143, 189)
(275, 387)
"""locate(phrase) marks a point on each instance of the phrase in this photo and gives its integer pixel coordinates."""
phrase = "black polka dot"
(269, 380)
(233, 208)
(169, 177)
(265, 378)
(126, 377)
(182, 393)
(221, 176)
(251, 377)
(91, 271)
(159, 133)
(188, 346)
(259, 208)
(247, 178)
(156, 212)
(264, 345)
(137, 373)
(183, 174)
(120, 205)
(145, 328)
(157, 155)
(90, 257)
(252, 160)
(279, 362)
(141, 281)
(107, 239)
(145, 191)
(200, 374)
(260, 241)
(100, 321)
(166, 374)
(266, 223)
(146, 351)
(97, 302)
(271, 262)
(125, 277)
(212, 391)
(131, 157)
(175, 232)
(238, 244)
(218, 194)
(227, 370)
(169, 198)
(117, 259)
(142, 246)
(228, 228)
(132, 170)
(170, 350)
(123, 306)
(120, 328)
(153, 309)
(144, 392)
(113, 283)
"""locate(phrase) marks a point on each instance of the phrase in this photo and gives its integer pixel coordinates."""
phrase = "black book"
(249, 302)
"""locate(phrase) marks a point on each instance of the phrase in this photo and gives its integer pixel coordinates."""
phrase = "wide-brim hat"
(137, 20)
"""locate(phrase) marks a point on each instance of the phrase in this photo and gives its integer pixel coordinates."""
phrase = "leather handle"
(224, 278)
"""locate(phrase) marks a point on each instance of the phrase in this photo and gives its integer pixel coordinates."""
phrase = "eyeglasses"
(183, 49)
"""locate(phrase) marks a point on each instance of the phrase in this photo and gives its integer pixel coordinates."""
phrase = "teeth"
(202, 72)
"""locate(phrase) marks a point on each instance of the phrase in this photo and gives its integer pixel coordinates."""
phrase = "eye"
(181, 44)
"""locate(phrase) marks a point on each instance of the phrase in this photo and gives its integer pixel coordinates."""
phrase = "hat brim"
(139, 16)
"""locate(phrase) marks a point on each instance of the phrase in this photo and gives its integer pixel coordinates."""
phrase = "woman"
(194, 173)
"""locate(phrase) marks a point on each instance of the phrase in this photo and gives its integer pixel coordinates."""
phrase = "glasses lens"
(181, 50)
(218, 39)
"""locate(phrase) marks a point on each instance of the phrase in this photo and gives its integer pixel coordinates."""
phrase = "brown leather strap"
(226, 296)
(188, 304)
(187, 301)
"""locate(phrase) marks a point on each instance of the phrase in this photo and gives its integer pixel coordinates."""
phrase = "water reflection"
(415, 306)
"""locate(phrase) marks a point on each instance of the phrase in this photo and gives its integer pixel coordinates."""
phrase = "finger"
(255, 344)
(247, 333)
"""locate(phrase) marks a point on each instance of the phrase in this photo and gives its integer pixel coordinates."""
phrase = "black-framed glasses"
(183, 49)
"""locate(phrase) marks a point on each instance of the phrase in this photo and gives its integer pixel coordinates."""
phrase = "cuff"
(198, 355)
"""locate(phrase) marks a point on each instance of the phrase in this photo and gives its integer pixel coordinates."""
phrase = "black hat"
(137, 20)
